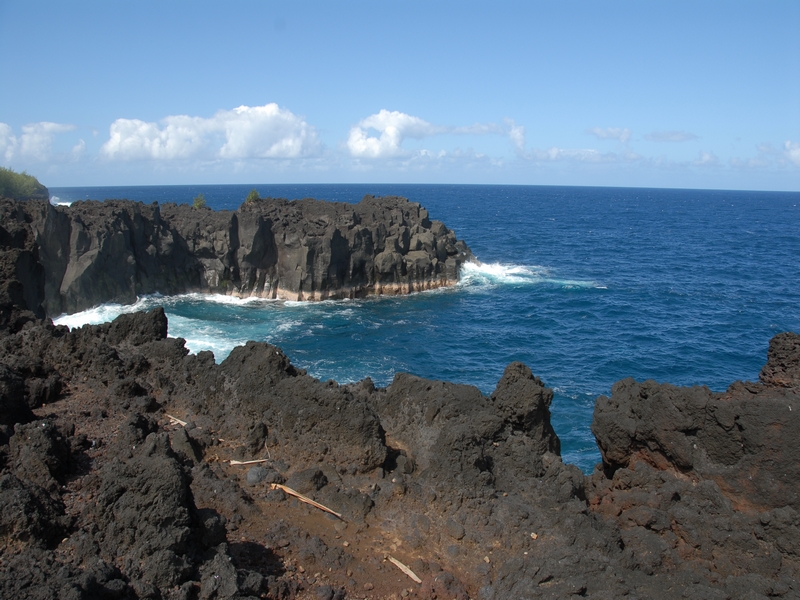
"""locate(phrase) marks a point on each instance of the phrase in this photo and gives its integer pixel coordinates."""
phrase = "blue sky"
(646, 93)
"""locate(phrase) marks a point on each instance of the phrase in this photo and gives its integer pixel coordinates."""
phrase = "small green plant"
(199, 201)
(253, 196)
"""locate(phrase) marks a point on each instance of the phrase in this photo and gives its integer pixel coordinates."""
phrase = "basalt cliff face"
(95, 252)
(130, 468)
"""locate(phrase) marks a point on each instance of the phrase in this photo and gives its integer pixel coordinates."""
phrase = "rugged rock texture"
(107, 493)
(72, 258)
(121, 470)
(745, 440)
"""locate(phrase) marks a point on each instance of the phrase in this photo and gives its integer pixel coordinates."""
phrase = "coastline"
(133, 466)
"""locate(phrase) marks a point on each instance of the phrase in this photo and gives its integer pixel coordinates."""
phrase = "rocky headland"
(134, 469)
(114, 251)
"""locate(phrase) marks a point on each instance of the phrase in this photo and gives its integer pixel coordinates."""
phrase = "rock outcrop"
(93, 252)
(745, 440)
(130, 468)
(118, 483)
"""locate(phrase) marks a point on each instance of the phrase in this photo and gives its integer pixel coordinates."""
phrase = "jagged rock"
(783, 361)
(697, 495)
(743, 439)
(67, 259)
(13, 407)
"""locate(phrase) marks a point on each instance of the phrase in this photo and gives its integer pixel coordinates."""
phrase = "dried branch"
(249, 462)
(176, 420)
(404, 569)
(306, 499)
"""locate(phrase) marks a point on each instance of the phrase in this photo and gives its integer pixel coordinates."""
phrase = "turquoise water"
(584, 285)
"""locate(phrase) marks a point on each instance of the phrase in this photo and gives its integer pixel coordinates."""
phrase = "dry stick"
(249, 462)
(404, 569)
(176, 420)
(306, 499)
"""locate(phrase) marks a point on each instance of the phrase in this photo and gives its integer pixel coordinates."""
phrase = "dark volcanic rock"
(70, 258)
(13, 407)
(783, 361)
(145, 512)
(745, 439)
(104, 493)
(453, 432)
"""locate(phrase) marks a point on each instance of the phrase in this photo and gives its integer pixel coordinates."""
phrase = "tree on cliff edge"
(21, 186)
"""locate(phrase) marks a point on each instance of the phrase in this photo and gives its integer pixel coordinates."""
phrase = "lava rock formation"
(130, 468)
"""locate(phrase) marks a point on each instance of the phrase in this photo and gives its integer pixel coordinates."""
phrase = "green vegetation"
(21, 186)
(253, 196)
(199, 201)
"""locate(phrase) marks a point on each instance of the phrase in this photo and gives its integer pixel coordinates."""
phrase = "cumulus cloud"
(393, 127)
(670, 136)
(35, 142)
(245, 132)
(791, 151)
(611, 133)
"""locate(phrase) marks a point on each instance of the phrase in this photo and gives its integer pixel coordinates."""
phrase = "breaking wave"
(509, 274)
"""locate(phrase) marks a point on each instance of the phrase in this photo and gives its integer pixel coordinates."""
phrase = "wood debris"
(404, 569)
(176, 420)
(306, 499)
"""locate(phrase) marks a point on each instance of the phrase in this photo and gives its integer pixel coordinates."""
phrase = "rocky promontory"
(130, 468)
(113, 251)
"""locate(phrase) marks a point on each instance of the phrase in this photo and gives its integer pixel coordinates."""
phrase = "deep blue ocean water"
(584, 285)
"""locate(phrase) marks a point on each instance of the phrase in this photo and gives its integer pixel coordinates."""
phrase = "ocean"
(584, 285)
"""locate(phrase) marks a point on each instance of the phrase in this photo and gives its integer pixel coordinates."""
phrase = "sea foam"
(509, 274)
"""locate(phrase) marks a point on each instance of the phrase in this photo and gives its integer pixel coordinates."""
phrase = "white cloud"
(8, 142)
(35, 143)
(245, 132)
(517, 135)
(393, 127)
(792, 152)
(266, 132)
(670, 136)
(706, 159)
(611, 133)
(78, 150)
(36, 140)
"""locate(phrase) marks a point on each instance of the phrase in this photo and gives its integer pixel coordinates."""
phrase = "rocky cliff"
(95, 252)
(130, 468)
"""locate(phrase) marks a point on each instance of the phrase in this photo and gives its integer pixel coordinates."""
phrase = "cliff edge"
(113, 251)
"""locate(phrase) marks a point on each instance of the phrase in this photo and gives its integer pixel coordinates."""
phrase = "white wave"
(295, 303)
(200, 336)
(510, 274)
(104, 313)
(221, 299)
(287, 326)
(56, 201)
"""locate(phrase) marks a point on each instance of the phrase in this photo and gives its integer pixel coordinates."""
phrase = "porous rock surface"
(120, 477)
(69, 258)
